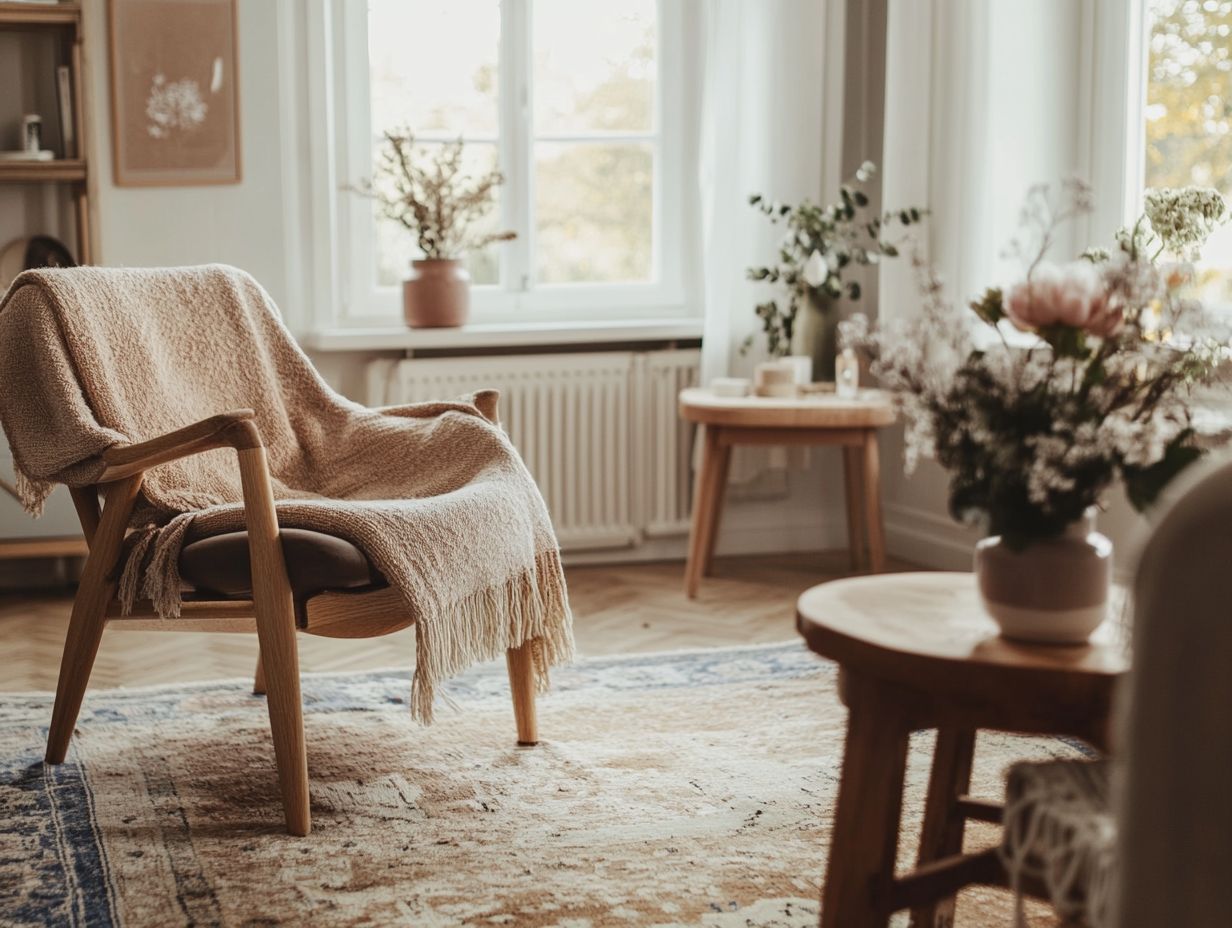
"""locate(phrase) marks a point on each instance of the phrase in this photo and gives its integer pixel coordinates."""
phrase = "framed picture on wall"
(175, 109)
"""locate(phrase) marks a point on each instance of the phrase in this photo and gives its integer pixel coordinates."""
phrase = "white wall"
(243, 224)
(984, 98)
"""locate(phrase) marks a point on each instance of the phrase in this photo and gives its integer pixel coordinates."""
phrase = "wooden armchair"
(274, 610)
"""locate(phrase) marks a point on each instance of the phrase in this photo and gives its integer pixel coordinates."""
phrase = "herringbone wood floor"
(617, 609)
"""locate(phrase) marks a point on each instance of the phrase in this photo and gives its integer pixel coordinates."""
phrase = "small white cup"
(730, 386)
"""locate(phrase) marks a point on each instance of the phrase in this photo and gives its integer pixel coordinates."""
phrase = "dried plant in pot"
(425, 189)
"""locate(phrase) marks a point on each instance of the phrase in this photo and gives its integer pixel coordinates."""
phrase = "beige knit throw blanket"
(432, 493)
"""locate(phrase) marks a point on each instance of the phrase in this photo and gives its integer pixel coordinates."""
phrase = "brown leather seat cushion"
(316, 562)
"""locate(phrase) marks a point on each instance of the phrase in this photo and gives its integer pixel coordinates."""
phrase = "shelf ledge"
(25, 15)
(27, 172)
(502, 335)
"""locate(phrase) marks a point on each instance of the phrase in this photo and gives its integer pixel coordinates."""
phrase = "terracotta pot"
(1053, 591)
(437, 294)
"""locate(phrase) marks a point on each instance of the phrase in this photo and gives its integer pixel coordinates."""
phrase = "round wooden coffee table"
(811, 419)
(917, 651)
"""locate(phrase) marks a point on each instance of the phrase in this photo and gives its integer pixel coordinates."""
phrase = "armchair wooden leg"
(275, 613)
(258, 678)
(281, 661)
(521, 663)
(85, 628)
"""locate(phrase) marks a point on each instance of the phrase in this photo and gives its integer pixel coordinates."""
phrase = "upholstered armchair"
(1144, 839)
(308, 514)
(273, 582)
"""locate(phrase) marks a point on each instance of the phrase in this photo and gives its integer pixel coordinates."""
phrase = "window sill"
(502, 335)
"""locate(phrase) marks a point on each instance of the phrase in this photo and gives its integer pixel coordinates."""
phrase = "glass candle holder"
(847, 374)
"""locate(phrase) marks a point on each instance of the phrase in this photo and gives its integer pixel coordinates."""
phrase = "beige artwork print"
(174, 91)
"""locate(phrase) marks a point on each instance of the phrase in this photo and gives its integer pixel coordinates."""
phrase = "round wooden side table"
(917, 651)
(812, 419)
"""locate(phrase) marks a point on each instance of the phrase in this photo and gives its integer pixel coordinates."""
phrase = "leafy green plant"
(821, 246)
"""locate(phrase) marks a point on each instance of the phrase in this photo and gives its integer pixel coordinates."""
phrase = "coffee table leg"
(707, 500)
(942, 834)
(870, 797)
(853, 476)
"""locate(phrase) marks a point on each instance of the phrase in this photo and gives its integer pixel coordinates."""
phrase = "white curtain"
(983, 99)
(761, 132)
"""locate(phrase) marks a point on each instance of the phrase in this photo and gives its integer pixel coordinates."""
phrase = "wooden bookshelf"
(65, 18)
(65, 23)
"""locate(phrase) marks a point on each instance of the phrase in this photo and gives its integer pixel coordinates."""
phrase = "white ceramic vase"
(1053, 591)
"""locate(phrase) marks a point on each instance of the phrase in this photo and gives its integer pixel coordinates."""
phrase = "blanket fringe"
(532, 606)
(1053, 833)
(130, 578)
(31, 493)
(152, 568)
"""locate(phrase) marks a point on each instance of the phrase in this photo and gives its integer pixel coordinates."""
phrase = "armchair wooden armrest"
(273, 606)
(234, 429)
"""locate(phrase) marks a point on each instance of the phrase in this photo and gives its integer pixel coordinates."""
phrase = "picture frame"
(175, 107)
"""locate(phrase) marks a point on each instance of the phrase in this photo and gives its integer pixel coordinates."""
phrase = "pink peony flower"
(1069, 294)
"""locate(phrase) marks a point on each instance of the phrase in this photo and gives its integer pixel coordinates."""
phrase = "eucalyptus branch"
(821, 247)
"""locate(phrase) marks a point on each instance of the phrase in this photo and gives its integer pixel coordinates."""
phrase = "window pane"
(1189, 113)
(594, 212)
(433, 66)
(594, 66)
(395, 244)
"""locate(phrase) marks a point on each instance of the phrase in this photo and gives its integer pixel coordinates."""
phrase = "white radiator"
(599, 431)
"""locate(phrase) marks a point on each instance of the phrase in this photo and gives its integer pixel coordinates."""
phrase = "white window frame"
(340, 48)
(1118, 33)
(1120, 75)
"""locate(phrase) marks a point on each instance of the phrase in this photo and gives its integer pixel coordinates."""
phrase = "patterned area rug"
(676, 789)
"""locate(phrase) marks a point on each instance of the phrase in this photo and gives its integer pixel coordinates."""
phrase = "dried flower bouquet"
(1034, 431)
(425, 189)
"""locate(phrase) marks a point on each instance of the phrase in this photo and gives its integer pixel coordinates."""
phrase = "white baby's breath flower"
(1184, 217)
(853, 332)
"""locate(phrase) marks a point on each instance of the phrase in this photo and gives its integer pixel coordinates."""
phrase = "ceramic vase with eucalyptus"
(816, 334)
(437, 294)
(1052, 591)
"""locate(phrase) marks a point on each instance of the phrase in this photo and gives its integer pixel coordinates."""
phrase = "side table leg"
(853, 476)
(870, 797)
(722, 456)
(942, 834)
(707, 501)
(872, 502)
